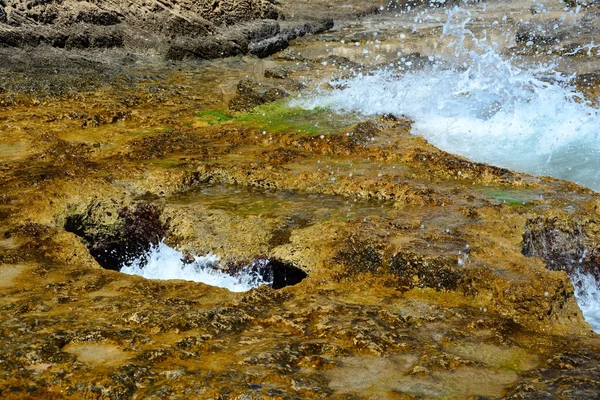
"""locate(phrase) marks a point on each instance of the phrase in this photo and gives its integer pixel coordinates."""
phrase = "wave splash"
(484, 107)
(164, 262)
(587, 293)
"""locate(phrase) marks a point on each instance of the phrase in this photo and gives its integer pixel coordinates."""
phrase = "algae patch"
(213, 117)
(512, 197)
(279, 116)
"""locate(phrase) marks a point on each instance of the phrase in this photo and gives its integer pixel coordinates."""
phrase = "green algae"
(512, 197)
(213, 117)
(280, 116)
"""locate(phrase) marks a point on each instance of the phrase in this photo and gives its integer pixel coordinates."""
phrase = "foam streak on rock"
(164, 262)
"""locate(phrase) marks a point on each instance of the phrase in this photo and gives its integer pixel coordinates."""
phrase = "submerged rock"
(250, 94)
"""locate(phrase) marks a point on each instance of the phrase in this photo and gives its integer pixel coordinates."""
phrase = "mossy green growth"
(213, 117)
(511, 197)
(279, 116)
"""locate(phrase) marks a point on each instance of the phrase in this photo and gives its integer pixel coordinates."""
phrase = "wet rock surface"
(399, 270)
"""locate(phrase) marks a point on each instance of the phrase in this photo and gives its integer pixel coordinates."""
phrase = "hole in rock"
(278, 273)
(130, 243)
(165, 262)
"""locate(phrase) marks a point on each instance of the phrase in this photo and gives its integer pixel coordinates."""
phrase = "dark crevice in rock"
(130, 236)
(119, 240)
(280, 273)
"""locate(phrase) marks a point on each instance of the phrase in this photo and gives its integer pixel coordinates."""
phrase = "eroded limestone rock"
(417, 276)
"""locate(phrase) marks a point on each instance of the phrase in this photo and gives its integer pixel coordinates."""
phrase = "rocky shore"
(173, 29)
(403, 271)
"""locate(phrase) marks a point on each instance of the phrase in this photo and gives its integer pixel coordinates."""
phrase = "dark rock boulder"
(93, 37)
(236, 11)
(232, 42)
(56, 39)
(258, 30)
(96, 16)
(292, 30)
(205, 48)
(269, 46)
(176, 25)
(73, 38)
(19, 39)
(78, 40)
(106, 38)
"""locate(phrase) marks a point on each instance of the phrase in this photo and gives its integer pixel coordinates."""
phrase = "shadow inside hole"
(131, 237)
(277, 273)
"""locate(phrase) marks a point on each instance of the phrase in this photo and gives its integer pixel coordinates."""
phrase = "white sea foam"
(164, 262)
(587, 293)
(486, 108)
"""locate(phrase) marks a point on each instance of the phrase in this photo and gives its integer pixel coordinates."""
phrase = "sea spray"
(164, 262)
(484, 107)
(587, 293)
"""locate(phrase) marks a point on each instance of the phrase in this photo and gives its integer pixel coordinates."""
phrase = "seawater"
(164, 262)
